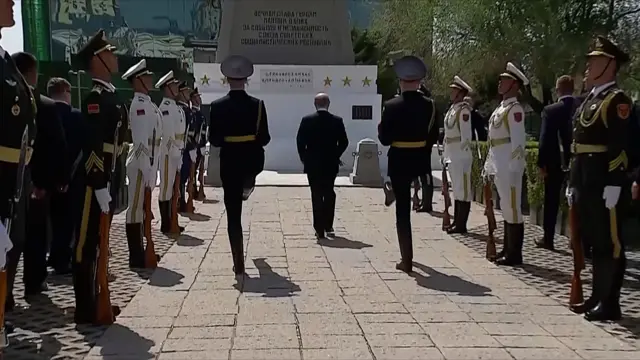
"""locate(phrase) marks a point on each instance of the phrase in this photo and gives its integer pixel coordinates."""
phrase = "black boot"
(389, 196)
(461, 218)
(505, 241)
(165, 216)
(456, 211)
(237, 251)
(609, 308)
(427, 194)
(406, 250)
(136, 249)
(513, 254)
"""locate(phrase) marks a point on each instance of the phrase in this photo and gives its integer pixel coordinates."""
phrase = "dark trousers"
(85, 257)
(185, 172)
(36, 245)
(552, 187)
(64, 216)
(199, 159)
(323, 201)
(232, 185)
(402, 189)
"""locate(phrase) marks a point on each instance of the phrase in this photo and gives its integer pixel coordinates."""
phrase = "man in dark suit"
(555, 132)
(478, 122)
(322, 139)
(66, 204)
(48, 169)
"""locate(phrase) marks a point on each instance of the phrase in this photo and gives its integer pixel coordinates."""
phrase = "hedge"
(535, 185)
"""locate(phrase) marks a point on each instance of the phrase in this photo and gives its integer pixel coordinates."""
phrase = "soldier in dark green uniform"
(17, 135)
(408, 127)
(239, 128)
(106, 121)
(599, 185)
(200, 119)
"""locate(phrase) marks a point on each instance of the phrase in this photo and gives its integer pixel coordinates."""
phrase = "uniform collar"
(564, 97)
(169, 100)
(142, 95)
(509, 101)
(183, 103)
(197, 108)
(107, 85)
(597, 90)
(2, 52)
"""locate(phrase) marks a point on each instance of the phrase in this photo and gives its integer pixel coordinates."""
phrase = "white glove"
(569, 193)
(103, 197)
(611, 195)
(192, 155)
(5, 245)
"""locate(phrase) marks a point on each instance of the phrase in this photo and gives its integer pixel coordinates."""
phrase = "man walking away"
(322, 139)
(66, 204)
(555, 131)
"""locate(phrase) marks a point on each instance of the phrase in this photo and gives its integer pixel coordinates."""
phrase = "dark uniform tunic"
(239, 127)
(17, 111)
(408, 127)
(600, 149)
(204, 127)
(105, 118)
(190, 144)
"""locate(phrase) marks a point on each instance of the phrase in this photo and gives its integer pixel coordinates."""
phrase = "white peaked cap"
(515, 73)
(460, 84)
(166, 80)
(136, 70)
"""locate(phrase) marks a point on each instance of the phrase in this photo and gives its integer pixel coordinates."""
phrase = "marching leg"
(402, 190)
(134, 219)
(136, 247)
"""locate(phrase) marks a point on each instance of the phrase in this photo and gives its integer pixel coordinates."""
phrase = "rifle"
(17, 195)
(104, 310)
(446, 217)
(576, 295)
(174, 228)
(150, 258)
(491, 219)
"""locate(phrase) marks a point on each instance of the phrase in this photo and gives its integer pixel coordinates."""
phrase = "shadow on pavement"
(269, 283)
(163, 277)
(343, 243)
(436, 280)
(210, 201)
(188, 240)
(198, 217)
(121, 342)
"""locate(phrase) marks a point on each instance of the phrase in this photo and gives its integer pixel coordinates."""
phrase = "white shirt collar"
(598, 89)
(564, 97)
(109, 86)
(322, 109)
(2, 52)
(509, 101)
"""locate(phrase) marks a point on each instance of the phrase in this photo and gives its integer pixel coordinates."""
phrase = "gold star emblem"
(346, 81)
(223, 80)
(327, 82)
(366, 81)
(204, 80)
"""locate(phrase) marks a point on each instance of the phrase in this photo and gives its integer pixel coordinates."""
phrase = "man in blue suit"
(68, 199)
(555, 132)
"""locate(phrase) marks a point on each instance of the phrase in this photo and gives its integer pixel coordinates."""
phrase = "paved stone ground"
(342, 298)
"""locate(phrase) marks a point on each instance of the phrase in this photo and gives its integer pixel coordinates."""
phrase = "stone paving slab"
(341, 298)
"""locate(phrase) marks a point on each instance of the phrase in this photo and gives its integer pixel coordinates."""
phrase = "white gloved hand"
(103, 197)
(611, 195)
(192, 155)
(5, 245)
(569, 193)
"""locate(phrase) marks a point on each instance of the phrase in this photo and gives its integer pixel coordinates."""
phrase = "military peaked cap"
(236, 67)
(195, 92)
(96, 44)
(410, 68)
(166, 80)
(515, 73)
(458, 83)
(605, 47)
(183, 86)
(137, 70)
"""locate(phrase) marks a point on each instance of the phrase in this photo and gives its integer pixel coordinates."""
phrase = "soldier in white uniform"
(457, 152)
(145, 122)
(506, 161)
(170, 160)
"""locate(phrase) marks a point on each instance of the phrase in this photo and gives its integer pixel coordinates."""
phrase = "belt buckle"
(574, 148)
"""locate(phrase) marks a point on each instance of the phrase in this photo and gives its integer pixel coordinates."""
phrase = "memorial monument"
(299, 48)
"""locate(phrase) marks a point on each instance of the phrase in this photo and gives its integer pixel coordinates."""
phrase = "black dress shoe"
(542, 244)
(582, 308)
(402, 266)
(604, 313)
(456, 230)
(8, 327)
(32, 291)
(9, 304)
(425, 209)
(508, 262)
(330, 232)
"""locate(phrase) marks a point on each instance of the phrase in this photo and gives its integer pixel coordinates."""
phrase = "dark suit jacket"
(49, 166)
(73, 129)
(478, 126)
(321, 140)
(555, 128)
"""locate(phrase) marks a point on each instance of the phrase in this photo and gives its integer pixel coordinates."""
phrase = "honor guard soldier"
(598, 185)
(457, 151)
(145, 119)
(408, 127)
(200, 119)
(189, 154)
(239, 128)
(17, 134)
(506, 161)
(106, 123)
(173, 130)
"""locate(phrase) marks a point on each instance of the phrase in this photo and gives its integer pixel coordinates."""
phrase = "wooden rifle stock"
(201, 196)
(150, 259)
(446, 217)
(173, 226)
(191, 188)
(491, 219)
(104, 310)
(576, 296)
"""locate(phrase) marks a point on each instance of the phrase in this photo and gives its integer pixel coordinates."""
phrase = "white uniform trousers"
(460, 171)
(168, 168)
(509, 187)
(135, 211)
